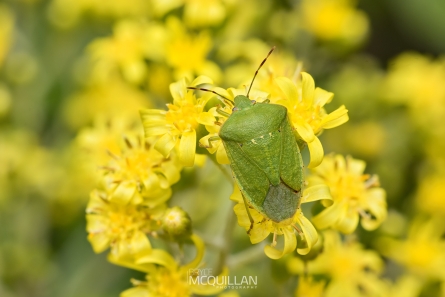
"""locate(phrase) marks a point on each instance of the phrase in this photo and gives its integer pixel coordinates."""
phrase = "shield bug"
(264, 156)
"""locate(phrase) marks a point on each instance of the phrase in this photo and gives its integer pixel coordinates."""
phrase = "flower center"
(168, 283)
(183, 117)
(125, 220)
(348, 188)
(311, 115)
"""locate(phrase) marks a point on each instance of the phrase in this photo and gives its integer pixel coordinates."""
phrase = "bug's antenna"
(256, 72)
(211, 91)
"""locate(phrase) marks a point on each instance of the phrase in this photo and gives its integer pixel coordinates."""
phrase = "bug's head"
(242, 102)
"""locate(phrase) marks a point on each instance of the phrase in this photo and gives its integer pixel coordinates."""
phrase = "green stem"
(227, 239)
(247, 256)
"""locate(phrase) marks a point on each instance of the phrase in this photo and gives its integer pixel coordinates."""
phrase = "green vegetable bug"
(264, 156)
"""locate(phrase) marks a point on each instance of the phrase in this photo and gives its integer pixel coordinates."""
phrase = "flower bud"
(177, 223)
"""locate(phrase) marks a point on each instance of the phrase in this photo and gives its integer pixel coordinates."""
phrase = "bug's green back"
(264, 157)
(251, 120)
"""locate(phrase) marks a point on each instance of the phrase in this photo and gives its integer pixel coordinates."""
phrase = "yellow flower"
(187, 53)
(304, 104)
(212, 141)
(354, 193)
(124, 51)
(307, 287)
(104, 100)
(253, 51)
(335, 20)
(165, 278)
(423, 251)
(124, 228)
(26, 166)
(353, 272)
(263, 226)
(417, 81)
(139, 174)
(177, 126)
(430, 194)
(201, 13)
(103, 137)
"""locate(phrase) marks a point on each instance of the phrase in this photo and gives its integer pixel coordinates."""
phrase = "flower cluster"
(176, 129)
(119, 108)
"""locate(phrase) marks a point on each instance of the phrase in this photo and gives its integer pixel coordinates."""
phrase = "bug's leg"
(222, 112)
(248, 213)
(274, 241)
(266, 101)
(297, 229)
(213, 138)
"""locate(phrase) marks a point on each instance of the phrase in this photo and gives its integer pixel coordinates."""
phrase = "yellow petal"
(309, 233)
(200, 160)
(165, 144)
(241, 214)
(156, 130)
(140, 243)
(129, 263)
(178, 90)
(206, 118)
(355, 166)
(122, 248)
(296, 266)
(152, 115)
(258, 233)
(376, 205)
(204, 141)
(200, 248)
(305, 131)
(308, 88)
(187, 148)
(321, 97)
(339, 163)
(123, 193)
(221, 155)
(236, 194)
(163, 182)
(151, 182)
(95, 203)
(328, 216)
(160, 257)
(135, 292)
(317, 192)
(348, 223)
(157, 197)
(200, 80)
(223, 92)
(335, 118)
(99, 241)
(154, 122)
(288, 87)
(96, 223)
(316, 152)
(290, 243)
(171, 172)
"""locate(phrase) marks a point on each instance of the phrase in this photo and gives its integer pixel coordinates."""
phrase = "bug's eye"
(253, 102)
(235, 109)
